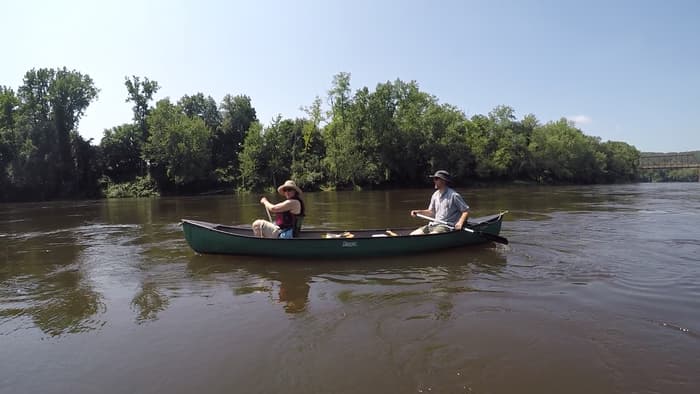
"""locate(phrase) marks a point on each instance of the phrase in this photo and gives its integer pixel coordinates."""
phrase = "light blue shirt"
(448, 206)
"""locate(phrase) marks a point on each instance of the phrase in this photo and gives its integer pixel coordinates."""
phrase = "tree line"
(391, 136)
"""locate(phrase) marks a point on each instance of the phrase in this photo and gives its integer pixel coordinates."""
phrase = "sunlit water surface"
(598, 292)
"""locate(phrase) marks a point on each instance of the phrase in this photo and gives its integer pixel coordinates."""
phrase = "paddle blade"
(494, 238)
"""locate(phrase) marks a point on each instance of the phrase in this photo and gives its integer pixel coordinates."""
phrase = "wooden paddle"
(488, 236)
(266, 210)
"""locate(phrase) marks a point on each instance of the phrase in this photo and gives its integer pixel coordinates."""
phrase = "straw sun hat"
(289, 184)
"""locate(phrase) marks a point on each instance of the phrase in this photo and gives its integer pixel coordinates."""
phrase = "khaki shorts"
(428, 229)
(269, 230)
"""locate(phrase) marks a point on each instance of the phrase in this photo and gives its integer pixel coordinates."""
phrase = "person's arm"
(462, 219)
(426, 212)
(268, 205)
(462, 206)
(284, 206)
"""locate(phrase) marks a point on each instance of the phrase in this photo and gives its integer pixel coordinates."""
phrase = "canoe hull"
(211, 238)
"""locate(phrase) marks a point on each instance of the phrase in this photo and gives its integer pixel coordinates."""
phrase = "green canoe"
(206, 237)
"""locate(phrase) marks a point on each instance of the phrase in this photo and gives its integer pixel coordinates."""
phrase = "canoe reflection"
(290, 283)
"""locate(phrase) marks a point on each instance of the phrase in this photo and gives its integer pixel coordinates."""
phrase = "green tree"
(178, 149)
(482, 144)
(9, 104)
(237, 116)
(386, 146)
(420, 126)
(450, 148)
(503, 159)
(272, 154)
(51, 105)
(499, 143)
(562, 153)
(339, 95)
(622, 161)
(523, 131)
(282, 142)
(121, 153)
(337, 136)
(141, 93)
(202, 107)
(87, 166)
(253, 159)
(307, 170)
(350, 144)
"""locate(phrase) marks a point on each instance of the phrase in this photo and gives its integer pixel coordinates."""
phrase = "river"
(597, 292)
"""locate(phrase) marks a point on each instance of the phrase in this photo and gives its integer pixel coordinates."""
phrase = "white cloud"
(580, 120)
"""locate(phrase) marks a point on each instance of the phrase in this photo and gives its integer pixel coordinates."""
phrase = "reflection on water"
(41, 279)
(57, 303)
(148, 302)
(600, 282)
(443, 273)
(294, 292)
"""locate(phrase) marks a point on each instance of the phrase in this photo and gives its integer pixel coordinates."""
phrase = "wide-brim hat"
(289, 184)
(442, 174)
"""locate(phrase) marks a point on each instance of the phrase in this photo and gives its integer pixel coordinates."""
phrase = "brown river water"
(597, 292)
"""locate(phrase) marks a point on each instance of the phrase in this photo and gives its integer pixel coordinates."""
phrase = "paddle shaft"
(442, 222)
(492, 237)
(267, 211)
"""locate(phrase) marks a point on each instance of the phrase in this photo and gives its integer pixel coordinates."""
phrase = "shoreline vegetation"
(388, 137)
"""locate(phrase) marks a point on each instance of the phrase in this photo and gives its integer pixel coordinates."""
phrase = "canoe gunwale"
(238, 230)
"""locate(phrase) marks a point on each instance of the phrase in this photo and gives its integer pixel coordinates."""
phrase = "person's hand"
(458, 226)
(413, 213)
(263, 200)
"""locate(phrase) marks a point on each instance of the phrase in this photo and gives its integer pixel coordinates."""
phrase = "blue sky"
(623, 70)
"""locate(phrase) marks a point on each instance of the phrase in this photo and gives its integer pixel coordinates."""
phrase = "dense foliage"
(391, 136)
(41, 154)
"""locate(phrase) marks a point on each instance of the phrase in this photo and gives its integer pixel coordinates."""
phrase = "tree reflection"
(67, 305)
(149, 302)
(58, 303)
